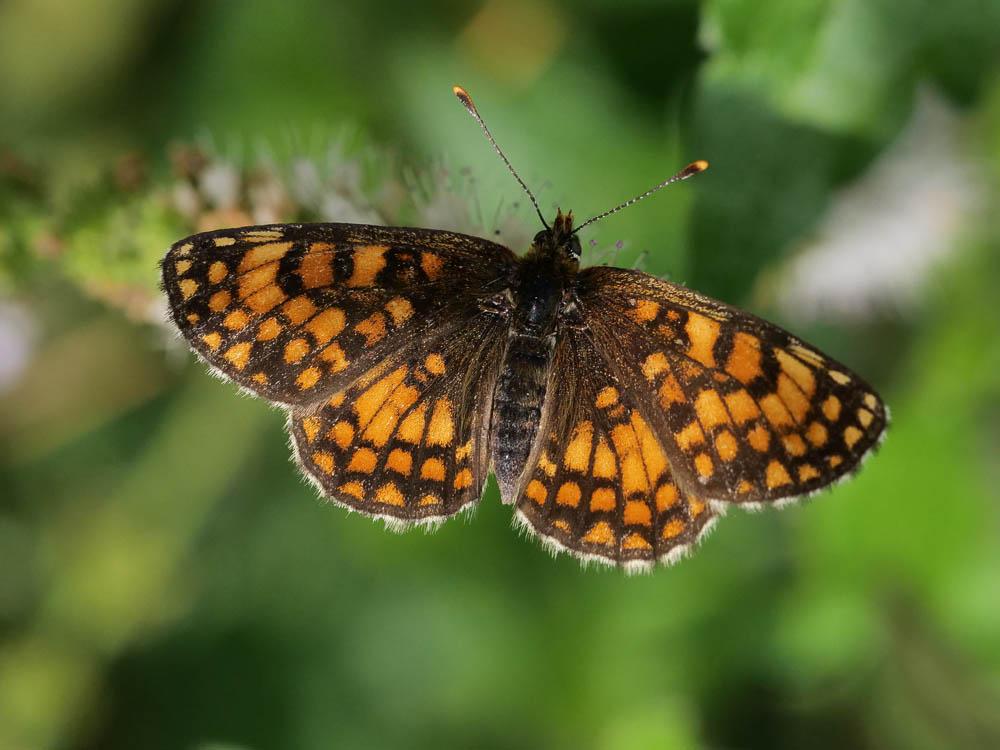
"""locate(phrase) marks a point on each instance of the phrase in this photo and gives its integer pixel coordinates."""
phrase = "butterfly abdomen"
(517, 407)
(537, 292)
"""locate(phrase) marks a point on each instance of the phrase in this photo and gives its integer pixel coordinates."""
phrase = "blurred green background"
(166, 581)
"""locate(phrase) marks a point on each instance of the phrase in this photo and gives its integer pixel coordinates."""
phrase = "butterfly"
(621, 414)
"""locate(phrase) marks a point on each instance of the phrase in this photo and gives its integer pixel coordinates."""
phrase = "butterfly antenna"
(463, 96)
(689, 171)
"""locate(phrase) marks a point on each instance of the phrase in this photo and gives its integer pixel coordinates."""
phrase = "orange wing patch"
(368, 261)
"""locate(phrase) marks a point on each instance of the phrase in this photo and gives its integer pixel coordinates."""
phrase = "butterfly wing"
(747, 413)
(408, 440)
(599, 481)
(375, 339)
(295, 312)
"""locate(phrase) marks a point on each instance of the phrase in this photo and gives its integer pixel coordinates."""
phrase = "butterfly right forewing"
(748, 412)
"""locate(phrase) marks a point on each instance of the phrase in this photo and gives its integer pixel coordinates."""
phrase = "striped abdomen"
(517, 407)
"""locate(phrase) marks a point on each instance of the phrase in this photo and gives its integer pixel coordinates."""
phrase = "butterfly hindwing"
(747, 412)
(408, 440)
(294, 312)
(599, 481)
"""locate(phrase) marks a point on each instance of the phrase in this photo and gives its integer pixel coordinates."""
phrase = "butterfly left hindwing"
(409, 439)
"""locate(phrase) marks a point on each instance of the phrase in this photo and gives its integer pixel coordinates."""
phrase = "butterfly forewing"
(296, 312)
(599, 482)
(747, 413)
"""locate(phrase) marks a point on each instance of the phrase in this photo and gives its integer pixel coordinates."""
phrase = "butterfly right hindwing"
(599, 481)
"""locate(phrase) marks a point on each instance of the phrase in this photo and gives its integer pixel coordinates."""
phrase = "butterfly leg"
(570, 315)
(499, 304)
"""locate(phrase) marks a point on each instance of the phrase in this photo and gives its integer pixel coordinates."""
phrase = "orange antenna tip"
(689, 171)
(463, 96)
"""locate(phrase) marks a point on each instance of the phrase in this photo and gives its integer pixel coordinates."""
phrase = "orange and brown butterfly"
(621, 414)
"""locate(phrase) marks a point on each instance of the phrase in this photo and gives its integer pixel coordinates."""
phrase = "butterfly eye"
(572, 246)
(542, 237)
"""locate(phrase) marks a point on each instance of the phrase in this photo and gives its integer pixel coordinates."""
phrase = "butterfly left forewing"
(747, 412)
(293, 312)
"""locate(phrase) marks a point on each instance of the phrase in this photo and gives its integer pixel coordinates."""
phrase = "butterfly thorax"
(538, 297)
(543, 277)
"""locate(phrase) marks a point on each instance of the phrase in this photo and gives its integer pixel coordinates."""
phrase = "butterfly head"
(559, 241)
